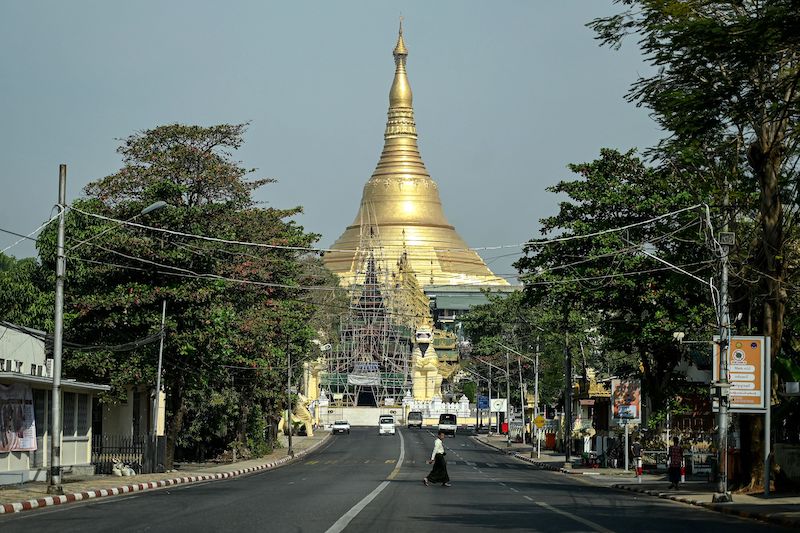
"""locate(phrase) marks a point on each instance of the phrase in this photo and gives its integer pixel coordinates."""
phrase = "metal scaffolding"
(372, 362)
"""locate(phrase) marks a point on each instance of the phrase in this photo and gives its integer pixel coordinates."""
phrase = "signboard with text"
(499, 405)
(483, 402)
(747, 372)
(626, 400)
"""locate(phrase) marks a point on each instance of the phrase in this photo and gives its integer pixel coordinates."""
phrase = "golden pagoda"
(401, 210)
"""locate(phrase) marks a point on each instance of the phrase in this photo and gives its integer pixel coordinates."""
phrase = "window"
(69, 414)
(83, 414)
(76, 419)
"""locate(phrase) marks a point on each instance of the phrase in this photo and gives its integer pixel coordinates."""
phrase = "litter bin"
(504, 428)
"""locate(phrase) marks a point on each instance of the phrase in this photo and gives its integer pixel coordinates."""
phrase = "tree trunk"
(175, 422)
(765, 158)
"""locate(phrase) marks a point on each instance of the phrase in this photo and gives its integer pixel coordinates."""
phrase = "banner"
(626, 399)
(748, 367)
(17, 427)
(364, 379)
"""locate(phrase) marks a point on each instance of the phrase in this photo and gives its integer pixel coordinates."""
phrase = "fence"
(134, 450)
(696, 462)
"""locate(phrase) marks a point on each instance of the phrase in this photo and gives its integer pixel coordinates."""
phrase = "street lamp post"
(567, 403)
(536, 404)
(522, 400)
(508, 404)
(157, 399)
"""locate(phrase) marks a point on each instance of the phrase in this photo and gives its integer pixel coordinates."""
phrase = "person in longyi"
(438, 473)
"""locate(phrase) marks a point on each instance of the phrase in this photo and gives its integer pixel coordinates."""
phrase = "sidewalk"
(16, 498)
(777, 509)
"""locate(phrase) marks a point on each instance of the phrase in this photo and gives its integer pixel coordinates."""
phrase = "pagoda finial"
(400, 49)
(400, 98)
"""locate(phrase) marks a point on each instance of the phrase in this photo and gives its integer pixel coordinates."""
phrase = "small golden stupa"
(401, 209)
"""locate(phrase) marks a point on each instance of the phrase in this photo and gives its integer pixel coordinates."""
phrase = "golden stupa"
(401, 212)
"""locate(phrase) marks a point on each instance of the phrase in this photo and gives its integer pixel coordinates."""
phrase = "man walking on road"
(438, 473)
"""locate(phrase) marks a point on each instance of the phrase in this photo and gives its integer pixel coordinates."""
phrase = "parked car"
(414, 419)
(448, 424)
(386, 425)
(340, 426)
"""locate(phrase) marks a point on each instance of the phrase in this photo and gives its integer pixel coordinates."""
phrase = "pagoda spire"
(400, 154)
(402, 200)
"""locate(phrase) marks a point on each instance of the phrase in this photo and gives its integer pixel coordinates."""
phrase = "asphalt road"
(354, 483)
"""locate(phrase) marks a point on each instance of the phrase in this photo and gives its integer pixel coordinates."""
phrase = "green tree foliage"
(234, 312)
(727, 83)
(728, 70)
(24, 298)
(629, 302)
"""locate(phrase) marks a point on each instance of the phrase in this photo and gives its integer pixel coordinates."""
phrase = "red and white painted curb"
(48, 501)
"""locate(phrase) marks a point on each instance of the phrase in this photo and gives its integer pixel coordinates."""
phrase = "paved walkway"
(15, 498)
(779, 509)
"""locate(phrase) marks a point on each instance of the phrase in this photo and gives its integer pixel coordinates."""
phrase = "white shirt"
(438, 447)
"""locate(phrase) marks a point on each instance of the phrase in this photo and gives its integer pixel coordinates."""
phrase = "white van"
(448, 424)
(386, 425)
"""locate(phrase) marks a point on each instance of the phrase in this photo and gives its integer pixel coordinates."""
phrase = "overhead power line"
(540, 242)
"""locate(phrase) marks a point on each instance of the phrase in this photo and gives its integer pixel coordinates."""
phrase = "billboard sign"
(747, 373)
(17, 426)
(626, 400)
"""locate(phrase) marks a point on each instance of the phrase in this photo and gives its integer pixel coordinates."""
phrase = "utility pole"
(508, 404)
(723, 386)
(156, 403)
(536, 402)
(55, 487)
(490, 401)
(567, 394)
(522, 401)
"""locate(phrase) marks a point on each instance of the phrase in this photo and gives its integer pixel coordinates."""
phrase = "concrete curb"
(718, 507)
(49, 501)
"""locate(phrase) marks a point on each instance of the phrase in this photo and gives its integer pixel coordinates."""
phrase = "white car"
(386, 425)
(340, 426)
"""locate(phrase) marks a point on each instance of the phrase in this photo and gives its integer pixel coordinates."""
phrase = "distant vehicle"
(448, 424)
(341, 426)
(386, 425)
(414, 419)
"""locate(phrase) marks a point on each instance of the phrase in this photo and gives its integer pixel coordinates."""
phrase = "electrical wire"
(29, 235)
(539, 242)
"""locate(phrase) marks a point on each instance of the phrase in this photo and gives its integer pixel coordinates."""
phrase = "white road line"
(512, 488)
(528, 498)
(593, 525)
(347, 517)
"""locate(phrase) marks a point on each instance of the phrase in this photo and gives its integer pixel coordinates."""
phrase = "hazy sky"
(506, 94)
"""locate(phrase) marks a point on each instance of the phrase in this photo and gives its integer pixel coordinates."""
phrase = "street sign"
(626, 399)
(747, 371)
(483, 402)
(498, 405)
(539, 421)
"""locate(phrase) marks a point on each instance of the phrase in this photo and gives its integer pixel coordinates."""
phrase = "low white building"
(26, 385)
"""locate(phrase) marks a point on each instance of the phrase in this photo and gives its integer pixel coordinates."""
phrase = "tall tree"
(233, 313)
(636, 302)
(728, 69)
